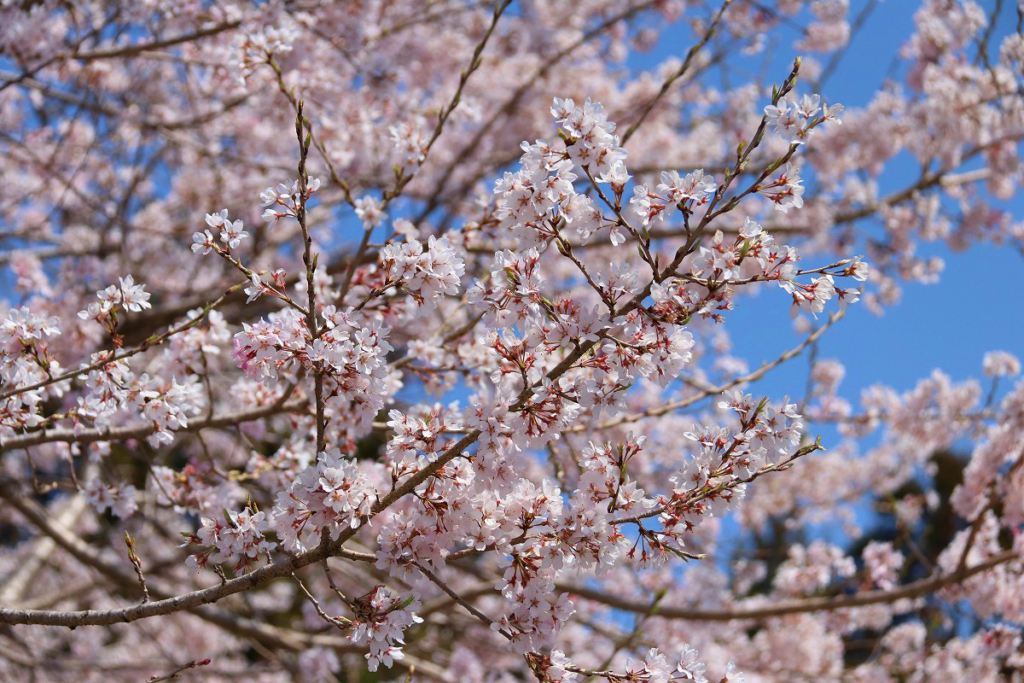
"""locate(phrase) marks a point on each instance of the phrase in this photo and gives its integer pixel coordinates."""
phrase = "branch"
(309, 260)
(115, 357)
(139, 48)
(713, 391)
(778, 609)
(678, 74)
(137, 431)
(176, 674)
(487, 621)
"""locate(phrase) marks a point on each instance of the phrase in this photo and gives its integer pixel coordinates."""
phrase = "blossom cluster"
(381, 618)
(329, 496)
(428, 273)
(794, 120)
(238, 539)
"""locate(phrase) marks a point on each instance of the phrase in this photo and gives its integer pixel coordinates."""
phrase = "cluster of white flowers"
(656, 668)
(672, 193)
(286, 199)
(381, 619)
(428, 273)
(786, 191)
(590, 139)
(370, 211)
(25, 360)
(707, 287)
(769, 433)
(1000, 364)
(353, 352)
(238, 538)
(268, 347)
(128, 295)
(533, 199)
(20, 326)
(231, 233)
(605, 484)
(795, 120)
(332, 495)
(166, 404)
(535, 195)
(812, 298)
(514, 292)
(556, 669)
(118, 497)
(131, 296)
(530, 616)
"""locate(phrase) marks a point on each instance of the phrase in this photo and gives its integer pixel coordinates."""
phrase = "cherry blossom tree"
(356, 341)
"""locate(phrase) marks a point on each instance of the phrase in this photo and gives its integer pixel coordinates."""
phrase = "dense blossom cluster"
(428, 273)
(443, 400)
(326, 497)
(381, 619)
(238, 539)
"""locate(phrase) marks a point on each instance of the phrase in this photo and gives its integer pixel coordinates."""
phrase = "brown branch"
(309, 260)
(139, 48)
(487, 621)
(176, 674)
(705, 392)
(678, 74)
(113, 356)
(781, 608)
(137, 431)
(133, 557)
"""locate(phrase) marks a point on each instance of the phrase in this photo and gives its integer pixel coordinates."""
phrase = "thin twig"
(176, 674)
(680, 72)
(133, 557)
